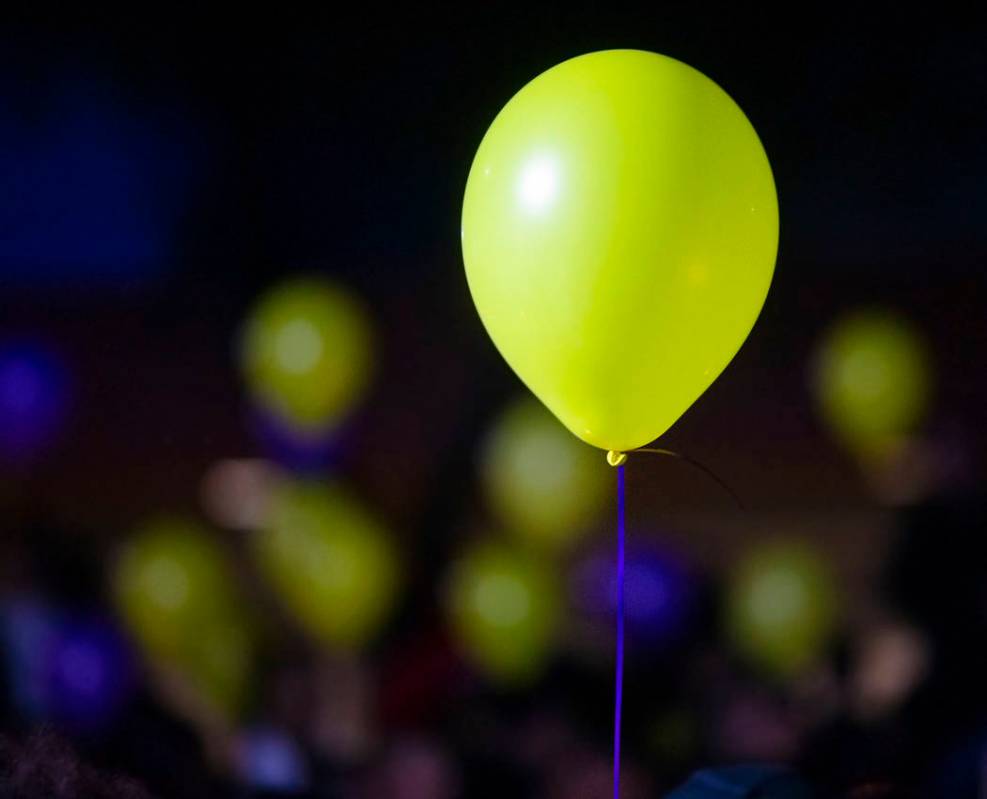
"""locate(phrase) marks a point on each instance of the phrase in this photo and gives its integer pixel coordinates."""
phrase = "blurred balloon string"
(619, 691)
(696, 465)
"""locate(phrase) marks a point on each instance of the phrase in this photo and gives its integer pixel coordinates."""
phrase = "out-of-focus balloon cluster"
(276, 620)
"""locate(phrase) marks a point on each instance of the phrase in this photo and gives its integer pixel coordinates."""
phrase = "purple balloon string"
(619, 693)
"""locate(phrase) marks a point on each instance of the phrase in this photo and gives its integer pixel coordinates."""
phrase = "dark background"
(160, 172)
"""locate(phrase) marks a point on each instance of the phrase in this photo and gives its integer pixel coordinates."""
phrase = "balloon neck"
(615, 458)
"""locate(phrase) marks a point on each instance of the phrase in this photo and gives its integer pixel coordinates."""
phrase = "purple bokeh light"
(659, 592)
(270, 760)
(301, 451)
(28, 631)
(89, 675)
(34, 401)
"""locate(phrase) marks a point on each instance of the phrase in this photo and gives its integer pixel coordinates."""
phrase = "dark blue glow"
(89, 674)
(28, 626)
(34, 399)
(94, 186)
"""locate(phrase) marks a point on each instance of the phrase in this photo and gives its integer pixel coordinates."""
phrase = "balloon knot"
(615, 458)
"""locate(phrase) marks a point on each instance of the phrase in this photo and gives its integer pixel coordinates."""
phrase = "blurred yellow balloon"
(781, 606)
(305, 352)
(221, 661)
(619, 232)
(332, 564)
(545, 485)
(179, 599)
(504, 607)
(873, 380)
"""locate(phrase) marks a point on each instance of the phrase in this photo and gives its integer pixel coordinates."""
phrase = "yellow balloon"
(333, 565)
(781, 606)
(873, 379)
(546, 486)
(505, 610)
(179, 599)
(305, 352)
(220, 662)
(619, 231)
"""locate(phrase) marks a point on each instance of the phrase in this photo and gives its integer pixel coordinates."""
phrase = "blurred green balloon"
(873, 379)
(221, 661)
(305, 352)
(333, 565)
(505, 610)
(179, 599)
(544, 484)
(781, 606)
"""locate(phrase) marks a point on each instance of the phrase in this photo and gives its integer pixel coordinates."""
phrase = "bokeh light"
(543, 483)
(34, 399)
(236, 492)
(29, 627)
(90, 674)
(178, 596)
(781, 606)
(67, 668)
(873, 379)
(268, 759)
(309, 451)
(99, 184)
(505, 609)
(306, 352)
(416, 769)
(330, 561)
(659, 588)
(890, 659)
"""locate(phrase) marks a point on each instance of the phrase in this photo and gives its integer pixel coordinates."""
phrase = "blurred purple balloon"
(298, 451)
(71, 670)
(270, 760)
(33, 399)
(659, 592)
(28, 631)
(89, 675)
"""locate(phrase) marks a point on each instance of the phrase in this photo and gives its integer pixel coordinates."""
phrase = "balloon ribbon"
(619, 459)
(619, 692)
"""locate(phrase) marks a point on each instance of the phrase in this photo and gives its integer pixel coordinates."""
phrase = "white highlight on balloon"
(298, 346)
(502, 600)
(777, 598)
(538, 185)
